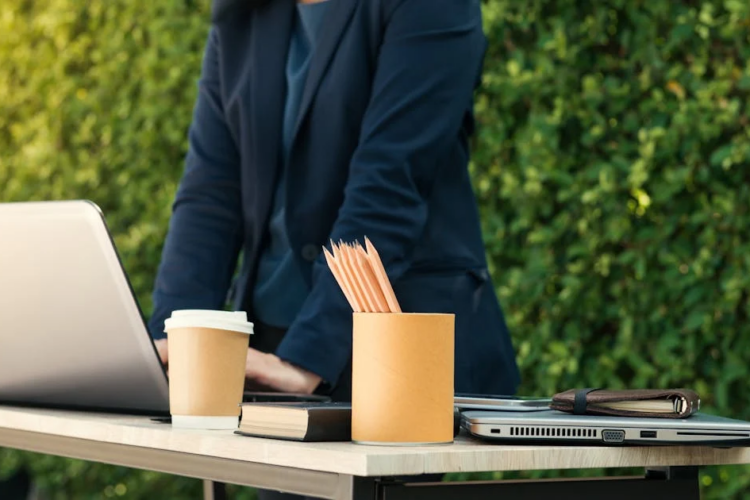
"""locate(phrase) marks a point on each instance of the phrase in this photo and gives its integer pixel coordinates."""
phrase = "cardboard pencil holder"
(402, 378)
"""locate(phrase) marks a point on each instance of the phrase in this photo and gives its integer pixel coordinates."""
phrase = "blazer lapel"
(271, 30)
(337, 18)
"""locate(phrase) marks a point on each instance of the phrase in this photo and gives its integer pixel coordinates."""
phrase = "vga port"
(613, 436)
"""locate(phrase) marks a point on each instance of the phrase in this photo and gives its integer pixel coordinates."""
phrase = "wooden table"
(339, 471)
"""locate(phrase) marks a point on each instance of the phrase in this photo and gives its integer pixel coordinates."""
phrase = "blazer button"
(310, 252)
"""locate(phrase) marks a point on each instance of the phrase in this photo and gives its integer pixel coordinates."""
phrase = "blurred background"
(611, 163)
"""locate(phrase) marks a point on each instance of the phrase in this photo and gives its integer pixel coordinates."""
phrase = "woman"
(335, 120)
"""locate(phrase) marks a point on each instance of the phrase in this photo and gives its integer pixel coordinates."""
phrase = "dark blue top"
(381, 148)
(280, 288)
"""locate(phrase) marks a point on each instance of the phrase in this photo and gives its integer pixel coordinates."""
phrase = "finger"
(163, 353)
(162, 350)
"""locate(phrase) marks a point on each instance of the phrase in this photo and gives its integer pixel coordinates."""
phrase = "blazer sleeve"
(205, 231)
(427, 69)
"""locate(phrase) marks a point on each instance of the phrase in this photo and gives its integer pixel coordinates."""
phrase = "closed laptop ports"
(613, 436)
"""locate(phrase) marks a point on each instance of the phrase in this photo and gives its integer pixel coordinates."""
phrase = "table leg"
(357, 488)
(213, 490)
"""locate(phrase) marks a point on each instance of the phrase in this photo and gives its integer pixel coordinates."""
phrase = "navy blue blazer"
(380, 150)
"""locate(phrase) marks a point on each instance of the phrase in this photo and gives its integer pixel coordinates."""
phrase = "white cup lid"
(235, 321)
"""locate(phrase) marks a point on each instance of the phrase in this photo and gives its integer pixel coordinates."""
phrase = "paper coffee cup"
(207, 353)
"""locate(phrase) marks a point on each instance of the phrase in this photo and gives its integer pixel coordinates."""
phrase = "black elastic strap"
(579, 403)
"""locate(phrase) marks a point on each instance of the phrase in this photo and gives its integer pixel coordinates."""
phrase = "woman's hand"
(268, 370)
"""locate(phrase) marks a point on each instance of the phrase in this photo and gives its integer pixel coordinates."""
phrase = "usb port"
(648, 434)
(495, 431)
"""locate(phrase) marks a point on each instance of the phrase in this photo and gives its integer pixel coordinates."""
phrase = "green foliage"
(610, 164)
(95, 98)
(612, 171)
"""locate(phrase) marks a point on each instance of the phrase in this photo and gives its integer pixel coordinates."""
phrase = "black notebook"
(298, 421)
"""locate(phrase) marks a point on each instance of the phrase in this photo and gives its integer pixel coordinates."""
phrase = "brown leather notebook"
(667, 403)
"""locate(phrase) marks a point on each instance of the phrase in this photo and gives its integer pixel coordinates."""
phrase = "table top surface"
(465, 455)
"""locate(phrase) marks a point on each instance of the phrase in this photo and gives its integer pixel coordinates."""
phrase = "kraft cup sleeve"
(566, 401)
(206, 371)
(403, 378)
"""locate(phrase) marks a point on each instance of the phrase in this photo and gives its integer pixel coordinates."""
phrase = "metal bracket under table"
(664, 483)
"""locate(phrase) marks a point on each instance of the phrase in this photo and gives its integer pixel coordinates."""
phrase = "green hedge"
(611, 165)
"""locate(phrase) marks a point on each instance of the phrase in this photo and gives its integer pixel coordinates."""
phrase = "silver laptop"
(71, 332)
(554, 427)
